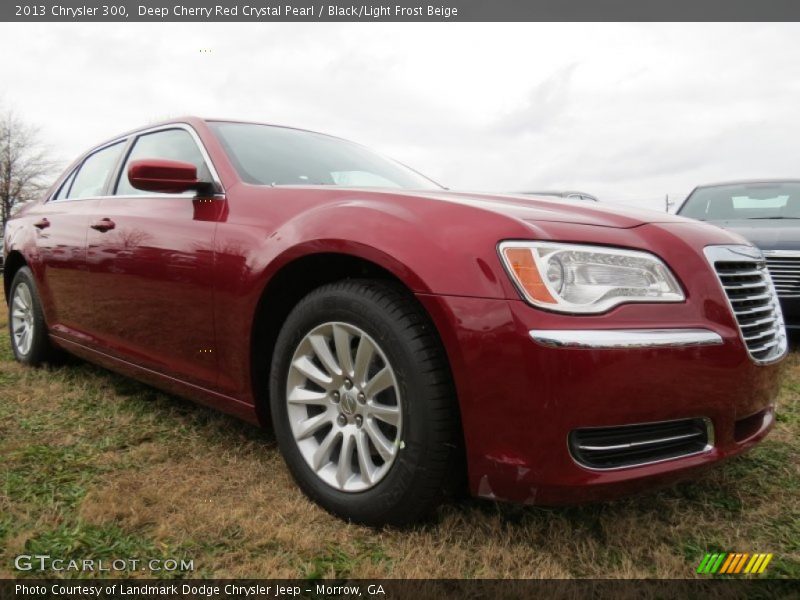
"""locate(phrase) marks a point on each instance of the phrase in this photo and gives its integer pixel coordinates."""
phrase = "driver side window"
(169, 144)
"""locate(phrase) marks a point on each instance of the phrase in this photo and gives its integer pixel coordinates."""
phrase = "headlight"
(574, 278)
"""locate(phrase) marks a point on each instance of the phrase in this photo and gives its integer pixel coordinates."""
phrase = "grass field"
(97, 466)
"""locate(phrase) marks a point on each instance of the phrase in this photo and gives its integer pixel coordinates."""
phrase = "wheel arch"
(13, 263)
(301, 273)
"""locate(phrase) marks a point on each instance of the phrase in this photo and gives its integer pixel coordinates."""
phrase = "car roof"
(194, 121)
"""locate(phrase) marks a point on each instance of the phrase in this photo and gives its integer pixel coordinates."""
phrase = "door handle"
(42, 223)
(103, 224)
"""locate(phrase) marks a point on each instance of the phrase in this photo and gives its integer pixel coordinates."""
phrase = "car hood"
(536, 209)
(767, 234)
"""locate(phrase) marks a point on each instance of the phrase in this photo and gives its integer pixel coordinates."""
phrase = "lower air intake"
(634, 445)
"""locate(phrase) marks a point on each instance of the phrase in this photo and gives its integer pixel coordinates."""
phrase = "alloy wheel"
(344, 406)
(22, 318)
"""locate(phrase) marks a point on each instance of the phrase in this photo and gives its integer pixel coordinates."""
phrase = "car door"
(60, 226)
(150, 262)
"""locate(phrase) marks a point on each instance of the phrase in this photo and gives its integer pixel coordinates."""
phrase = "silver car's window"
(744, 201)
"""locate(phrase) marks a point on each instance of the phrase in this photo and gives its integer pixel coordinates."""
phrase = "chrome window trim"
(742, 253)
(710, 443)
(135, 135)
(67, 179)
(625, 338)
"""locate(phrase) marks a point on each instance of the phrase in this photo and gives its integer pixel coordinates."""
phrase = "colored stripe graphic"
(703, 563)
(712, 558)
(765, 563)
(728, 562)
(758, 563)
(717, 563)
(741, 562)
(752, 563)
(733, 563)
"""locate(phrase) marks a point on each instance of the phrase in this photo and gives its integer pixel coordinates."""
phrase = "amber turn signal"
(522, 262)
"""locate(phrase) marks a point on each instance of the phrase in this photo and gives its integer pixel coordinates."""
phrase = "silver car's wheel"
(22, 318)
(344, 406)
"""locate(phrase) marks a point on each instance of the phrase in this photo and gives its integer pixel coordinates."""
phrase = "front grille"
(784, 267)
(751, 296)
(633, 445)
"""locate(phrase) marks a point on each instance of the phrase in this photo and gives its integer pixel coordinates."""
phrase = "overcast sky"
(629, 112)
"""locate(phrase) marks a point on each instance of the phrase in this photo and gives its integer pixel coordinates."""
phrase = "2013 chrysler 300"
(398, 335)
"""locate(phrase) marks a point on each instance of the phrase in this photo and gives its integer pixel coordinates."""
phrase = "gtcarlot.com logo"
(45, 562)
(733, 563)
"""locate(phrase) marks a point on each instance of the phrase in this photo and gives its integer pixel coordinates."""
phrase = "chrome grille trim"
(757, 336)
(752, 298)
(735, 285)
(757, 297)
(784, 267)
(642, 444)
(757, 310)
(745, 273)
(635, 445)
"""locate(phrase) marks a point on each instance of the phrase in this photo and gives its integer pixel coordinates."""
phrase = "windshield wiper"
(756, 218)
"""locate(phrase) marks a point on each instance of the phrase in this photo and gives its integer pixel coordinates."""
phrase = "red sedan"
(400, 337)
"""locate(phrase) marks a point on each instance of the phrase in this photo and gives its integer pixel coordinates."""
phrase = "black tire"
(427, 463)
(40, 350)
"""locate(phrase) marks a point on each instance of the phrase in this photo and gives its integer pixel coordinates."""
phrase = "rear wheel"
(28, 331)
(362, 403)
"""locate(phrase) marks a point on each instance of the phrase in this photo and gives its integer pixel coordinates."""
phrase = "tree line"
(26, 167)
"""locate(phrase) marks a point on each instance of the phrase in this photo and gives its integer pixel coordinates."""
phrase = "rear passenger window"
(93, 173)
(62, 191)
(169, 144)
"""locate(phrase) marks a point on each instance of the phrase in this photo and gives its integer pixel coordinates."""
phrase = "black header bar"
(397, 10)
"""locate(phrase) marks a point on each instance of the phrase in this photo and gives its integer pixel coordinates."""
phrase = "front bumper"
(520, 399)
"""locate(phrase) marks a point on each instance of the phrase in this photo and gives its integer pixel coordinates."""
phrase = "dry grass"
(97, 466)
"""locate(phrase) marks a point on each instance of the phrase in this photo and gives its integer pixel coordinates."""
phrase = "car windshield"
(268, 155)
(744, 201)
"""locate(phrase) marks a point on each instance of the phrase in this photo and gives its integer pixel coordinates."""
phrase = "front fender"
(432, 247)
(264, 233)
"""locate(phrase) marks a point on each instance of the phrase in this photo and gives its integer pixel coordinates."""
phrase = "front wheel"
(362, 403)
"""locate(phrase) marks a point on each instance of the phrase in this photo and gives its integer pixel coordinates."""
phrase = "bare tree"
(25, 166)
